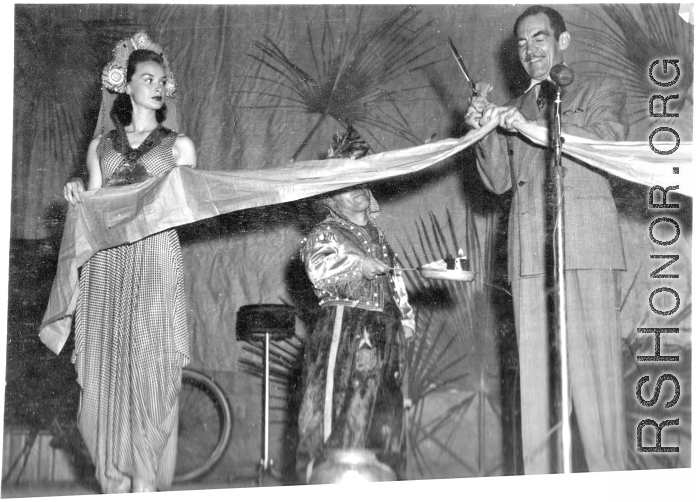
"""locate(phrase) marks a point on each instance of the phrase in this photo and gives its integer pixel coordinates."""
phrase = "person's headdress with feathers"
(350, 145)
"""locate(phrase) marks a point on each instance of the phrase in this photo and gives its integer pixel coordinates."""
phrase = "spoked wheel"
(204, 426)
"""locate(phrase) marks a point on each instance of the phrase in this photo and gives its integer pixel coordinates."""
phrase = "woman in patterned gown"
(131, 330)
(354, 364)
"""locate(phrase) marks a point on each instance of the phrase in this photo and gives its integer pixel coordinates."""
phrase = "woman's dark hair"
(121, 109)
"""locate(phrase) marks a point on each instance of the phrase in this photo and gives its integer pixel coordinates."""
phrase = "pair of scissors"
(461, 64)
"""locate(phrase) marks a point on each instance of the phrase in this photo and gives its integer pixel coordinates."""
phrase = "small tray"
(438, 270)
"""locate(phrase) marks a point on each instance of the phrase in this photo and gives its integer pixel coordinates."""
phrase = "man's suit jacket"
(591, 108)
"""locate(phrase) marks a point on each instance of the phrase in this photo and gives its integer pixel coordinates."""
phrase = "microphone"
(561, 75)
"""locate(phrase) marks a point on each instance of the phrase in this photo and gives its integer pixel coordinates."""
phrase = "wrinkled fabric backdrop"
(463, 357)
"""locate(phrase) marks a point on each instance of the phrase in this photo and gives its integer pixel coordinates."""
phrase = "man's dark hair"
(555, 19)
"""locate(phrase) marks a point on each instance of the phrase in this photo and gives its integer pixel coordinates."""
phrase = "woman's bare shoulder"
(94, 142)
(183, 138)
(185, 153)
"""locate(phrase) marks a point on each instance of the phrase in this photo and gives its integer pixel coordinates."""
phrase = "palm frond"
(285, 360)
(440, 432)
(354, 74)
(455, 322)
(628, 35)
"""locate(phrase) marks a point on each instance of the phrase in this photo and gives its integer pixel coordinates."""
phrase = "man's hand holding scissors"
(478, 104)
(481, 111)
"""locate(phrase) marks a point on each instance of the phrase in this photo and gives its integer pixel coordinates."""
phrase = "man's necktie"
(545, 93)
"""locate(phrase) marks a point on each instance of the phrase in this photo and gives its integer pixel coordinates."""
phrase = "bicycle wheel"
(204, 426)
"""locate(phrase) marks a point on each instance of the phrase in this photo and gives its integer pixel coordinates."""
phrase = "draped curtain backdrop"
(230, 105)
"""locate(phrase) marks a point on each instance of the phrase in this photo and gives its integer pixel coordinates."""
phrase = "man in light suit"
(591, 108)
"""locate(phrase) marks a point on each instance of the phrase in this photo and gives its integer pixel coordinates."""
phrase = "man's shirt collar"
(534, 82)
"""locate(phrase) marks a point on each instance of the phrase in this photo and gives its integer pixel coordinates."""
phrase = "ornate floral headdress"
(114, 73)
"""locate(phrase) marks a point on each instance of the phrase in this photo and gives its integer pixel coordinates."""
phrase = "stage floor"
(60, 489)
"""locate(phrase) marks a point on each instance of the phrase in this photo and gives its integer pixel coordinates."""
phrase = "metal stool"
(265, 322)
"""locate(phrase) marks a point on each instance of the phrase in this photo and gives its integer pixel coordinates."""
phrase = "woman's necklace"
(124, 146)
(131, 170)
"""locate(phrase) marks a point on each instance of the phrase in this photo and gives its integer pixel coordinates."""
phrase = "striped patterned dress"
(131, 340)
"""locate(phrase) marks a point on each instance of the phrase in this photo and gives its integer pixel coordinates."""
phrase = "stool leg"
(266, 460)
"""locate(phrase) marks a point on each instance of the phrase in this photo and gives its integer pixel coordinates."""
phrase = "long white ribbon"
(332, 357)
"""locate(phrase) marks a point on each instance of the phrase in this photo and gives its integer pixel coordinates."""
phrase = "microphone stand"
(560, 280)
